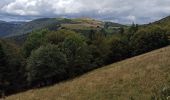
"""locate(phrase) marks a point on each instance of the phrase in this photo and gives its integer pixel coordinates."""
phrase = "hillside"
(13, 29)
(9, 29)
(164, 23)
(139, 78)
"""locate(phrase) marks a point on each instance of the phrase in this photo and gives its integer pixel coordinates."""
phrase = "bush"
(148, 39)
(46, 65)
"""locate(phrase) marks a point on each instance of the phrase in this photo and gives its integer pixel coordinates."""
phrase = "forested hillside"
(7, 28)
(65, 51)
(145, 77)
(12, 29)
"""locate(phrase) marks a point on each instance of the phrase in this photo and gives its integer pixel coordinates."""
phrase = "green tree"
(11, 70)
(57, 37)
(34, 41)
(99, 50)
(46, 65)
(2, 70)
(119, 49)
(133, 28)
(76, 49)
(148, 39)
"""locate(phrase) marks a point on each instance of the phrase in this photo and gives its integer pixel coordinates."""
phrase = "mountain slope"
(139, 78)
(163, 22)
(27, 27)
(9, 29)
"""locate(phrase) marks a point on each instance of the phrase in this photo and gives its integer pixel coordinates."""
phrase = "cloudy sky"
(121, 11)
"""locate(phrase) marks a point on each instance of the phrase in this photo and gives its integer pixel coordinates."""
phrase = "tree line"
(48, 57)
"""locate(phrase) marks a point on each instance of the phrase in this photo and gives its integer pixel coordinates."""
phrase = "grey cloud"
(122, 11)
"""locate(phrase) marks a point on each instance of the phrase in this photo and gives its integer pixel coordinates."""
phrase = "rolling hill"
(144, 77)
(6, 28)
(9, 29)
(163, 23)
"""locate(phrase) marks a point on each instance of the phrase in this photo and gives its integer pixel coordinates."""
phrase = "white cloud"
(131, 18)
(123, 11)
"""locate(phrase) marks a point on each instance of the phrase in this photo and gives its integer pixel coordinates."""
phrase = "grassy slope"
(138, 77)
(83, 23)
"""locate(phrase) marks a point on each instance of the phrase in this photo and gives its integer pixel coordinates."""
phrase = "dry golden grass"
(139, 78)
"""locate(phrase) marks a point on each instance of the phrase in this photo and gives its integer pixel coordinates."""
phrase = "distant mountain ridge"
(8, 29)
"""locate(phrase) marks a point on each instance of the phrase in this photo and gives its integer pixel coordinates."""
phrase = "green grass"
(136, 78)
(83, 24)
(76, 26)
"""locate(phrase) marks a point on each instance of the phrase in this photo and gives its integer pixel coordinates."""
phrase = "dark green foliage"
(11, 70)
(57, 37)
(3, 64)
(2, 56)
(118, 49)
(55, 55)
(46, 64)
(99, 50)
(148, 39)
(76, 49)
(122, 30)
(133, 29)
(54, 27)
(34, 41)
(91, 34)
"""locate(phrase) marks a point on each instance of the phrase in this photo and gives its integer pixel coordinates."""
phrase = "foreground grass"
(138, 78)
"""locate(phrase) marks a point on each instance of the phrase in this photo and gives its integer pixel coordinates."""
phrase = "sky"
(120, 11)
